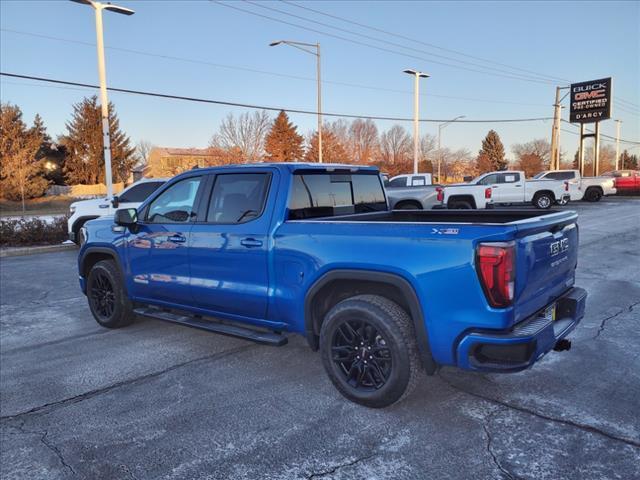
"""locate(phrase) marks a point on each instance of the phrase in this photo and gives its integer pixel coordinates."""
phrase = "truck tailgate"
(546, 258)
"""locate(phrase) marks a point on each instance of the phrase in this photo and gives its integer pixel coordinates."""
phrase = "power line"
(368, 45)
(262, 107)
(457, 52)
(375, 39)
(263, 72)
(602, 134)
(397, 35)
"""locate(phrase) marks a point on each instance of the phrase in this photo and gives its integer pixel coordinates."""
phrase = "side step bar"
(267, 338)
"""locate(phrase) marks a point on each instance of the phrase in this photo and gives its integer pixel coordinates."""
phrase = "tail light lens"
(487, 192)
(566, 186)
(496, 268)
(439, 194)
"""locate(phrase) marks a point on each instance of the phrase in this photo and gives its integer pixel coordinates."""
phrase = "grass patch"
(37, 206)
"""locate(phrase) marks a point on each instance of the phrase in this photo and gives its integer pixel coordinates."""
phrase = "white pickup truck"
(85, 210)
(591, 189)
(508, 187)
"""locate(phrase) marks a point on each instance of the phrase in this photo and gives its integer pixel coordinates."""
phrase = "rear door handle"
(177, 238)
(251, 242)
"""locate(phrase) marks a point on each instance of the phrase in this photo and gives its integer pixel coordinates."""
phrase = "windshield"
(539, 175)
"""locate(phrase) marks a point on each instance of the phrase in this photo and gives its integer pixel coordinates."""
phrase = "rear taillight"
(487, 193)
(566, 186)
(439, 194)
(496, 268)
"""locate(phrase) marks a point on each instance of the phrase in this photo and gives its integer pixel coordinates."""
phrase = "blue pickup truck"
(263, 251)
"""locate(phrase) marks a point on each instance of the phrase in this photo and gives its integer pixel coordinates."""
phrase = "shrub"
(32, 231)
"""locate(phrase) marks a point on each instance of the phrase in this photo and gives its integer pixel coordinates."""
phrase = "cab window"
(238, 197)
(176, 204)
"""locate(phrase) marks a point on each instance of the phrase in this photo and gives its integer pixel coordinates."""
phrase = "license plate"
(550, 312)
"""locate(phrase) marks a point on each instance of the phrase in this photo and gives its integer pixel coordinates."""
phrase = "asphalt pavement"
(159, 401)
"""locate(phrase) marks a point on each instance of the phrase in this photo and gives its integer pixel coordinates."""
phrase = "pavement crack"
(604, 321)
(335, 468)
(56, 450)
(46, 442)
(46, 408)
(562, 421)
(496, 462)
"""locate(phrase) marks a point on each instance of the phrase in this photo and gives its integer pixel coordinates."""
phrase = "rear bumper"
(520, 347)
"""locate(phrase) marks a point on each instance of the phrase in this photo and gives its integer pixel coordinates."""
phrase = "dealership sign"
(590, 101)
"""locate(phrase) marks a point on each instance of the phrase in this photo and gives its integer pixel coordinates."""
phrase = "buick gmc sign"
(590, 101)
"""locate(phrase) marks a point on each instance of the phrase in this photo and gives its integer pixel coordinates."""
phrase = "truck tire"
(408, 205)
(368, 350)
(108, 301)
(593, 194)
(543, 200)
(460, 205)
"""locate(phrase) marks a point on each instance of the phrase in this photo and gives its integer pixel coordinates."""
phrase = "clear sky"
(572, 41)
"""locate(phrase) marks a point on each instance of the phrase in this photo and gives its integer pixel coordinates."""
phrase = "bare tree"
(539, 148)
(395, 145)
(247, 133)
(143, 149)
(364, 140)
(428, 148)
(457, 164)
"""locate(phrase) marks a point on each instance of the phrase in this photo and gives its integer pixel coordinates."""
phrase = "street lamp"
(98, 7)
(305, 48)
(416, 105)
(441, 126)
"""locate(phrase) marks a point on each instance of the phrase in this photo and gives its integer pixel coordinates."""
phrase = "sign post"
(590, 103)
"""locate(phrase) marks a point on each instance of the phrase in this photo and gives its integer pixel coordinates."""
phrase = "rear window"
(334, 194)
(139, 193)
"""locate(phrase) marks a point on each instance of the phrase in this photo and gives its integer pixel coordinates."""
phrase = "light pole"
(618, 122)
(305, 48)
(102, 73)
(441, 126)
(416, 107)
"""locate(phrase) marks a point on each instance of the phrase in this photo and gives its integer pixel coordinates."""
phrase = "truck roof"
(292, 166)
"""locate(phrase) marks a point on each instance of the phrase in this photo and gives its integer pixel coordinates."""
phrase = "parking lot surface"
(161, 401)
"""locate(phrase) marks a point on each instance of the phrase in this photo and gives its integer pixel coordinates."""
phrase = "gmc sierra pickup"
(261, 251)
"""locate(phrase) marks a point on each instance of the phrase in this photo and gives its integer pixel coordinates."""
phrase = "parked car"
(412, 198)
(410, 180)
(85, 210)
(507, 187)
(625, 181)
(259, 251)
(591, 189)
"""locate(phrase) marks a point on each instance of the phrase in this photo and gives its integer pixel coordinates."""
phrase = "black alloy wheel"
(102, 296)
(107, 297)
(362, 355)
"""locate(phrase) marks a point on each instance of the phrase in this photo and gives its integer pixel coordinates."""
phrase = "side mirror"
(126, 217)
(115, 201)
(467, 178)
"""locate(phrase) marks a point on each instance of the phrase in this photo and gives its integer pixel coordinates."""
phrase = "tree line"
(30, 160)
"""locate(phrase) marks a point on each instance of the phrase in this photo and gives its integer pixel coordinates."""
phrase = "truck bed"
(492, 216)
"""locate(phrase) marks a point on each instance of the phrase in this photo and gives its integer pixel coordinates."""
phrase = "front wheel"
(108, 301)
(543, 201)
(563, 201)
(368, 350)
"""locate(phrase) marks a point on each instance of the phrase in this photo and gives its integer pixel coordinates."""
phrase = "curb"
(22, 251)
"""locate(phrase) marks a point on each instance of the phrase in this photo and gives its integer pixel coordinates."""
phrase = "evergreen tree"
(83, 142)
(332, 149)
(628, 162)
(283, 143)
(491, 155)
(21, 172)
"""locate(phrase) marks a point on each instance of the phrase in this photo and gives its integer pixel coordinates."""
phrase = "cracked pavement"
(159, 401)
